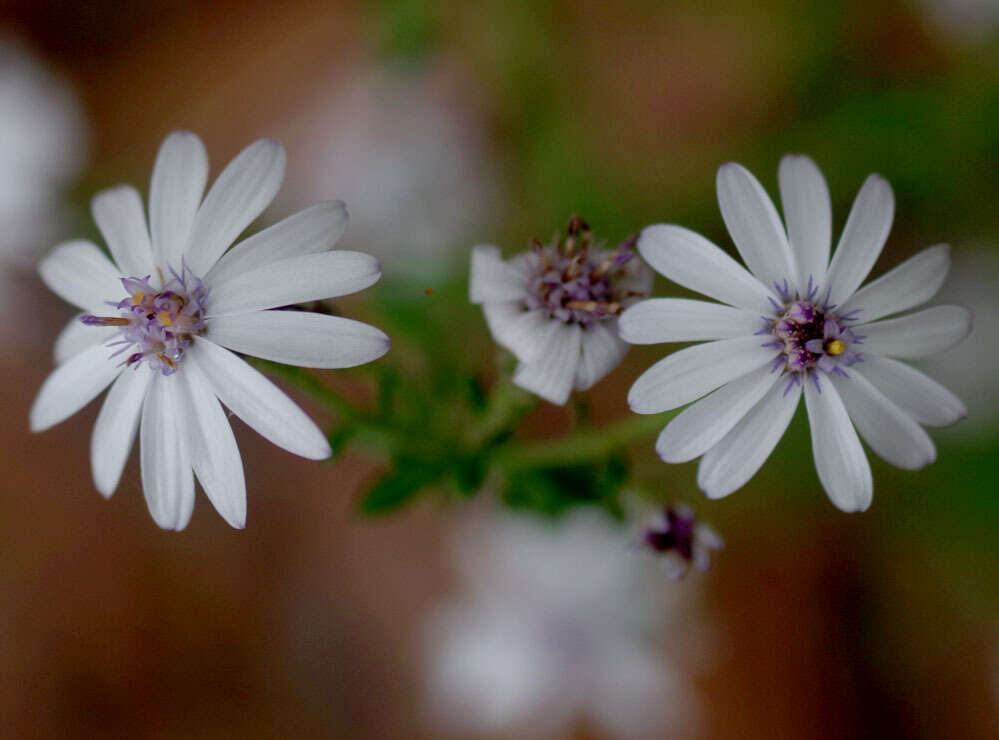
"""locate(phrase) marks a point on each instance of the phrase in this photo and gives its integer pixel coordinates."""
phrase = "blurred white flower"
(554, 631)
(556, 308)
(43, 143)
(409, 154)
(969, 368)
(177, 306)
(796, 323)
(971, 21)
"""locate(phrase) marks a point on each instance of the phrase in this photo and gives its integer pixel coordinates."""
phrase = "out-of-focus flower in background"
(969, 368)
(680, 540)
(410, 156)
(43, 146)
(795, 324)
(559, 626)
(971, 21)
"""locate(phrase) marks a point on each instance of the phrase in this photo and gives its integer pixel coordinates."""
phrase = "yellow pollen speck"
(164, 318)
(835, 347)
(137, 298)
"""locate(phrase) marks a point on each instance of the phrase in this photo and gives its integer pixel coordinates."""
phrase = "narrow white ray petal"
(551, 374)
(522, 332)
(730, 464)
(754, 226)
(863, 238)
(492, 279)
(891, 433)
(178, 182)
(258, 402)
(602, 351)
(700, 426)
(316, 229)
(808, 213)
(300, 338)
(79, 273)
(214, 455)
(245, 188)
(683, 320)
(917, 394)
(690, 260)
(122, 220)
(73, 385)
(308, 277)
(917, 335)
(77, 336)
(840, 461)
(117, 423)
(687, 375)
(165, 453)
(910, 284)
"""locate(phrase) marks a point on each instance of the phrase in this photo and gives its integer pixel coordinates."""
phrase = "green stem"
(584, 446)
(506, 404)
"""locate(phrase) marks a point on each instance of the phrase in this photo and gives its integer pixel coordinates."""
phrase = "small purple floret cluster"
(677, 536)
(158, 324)
(577, 282)
(810, 336)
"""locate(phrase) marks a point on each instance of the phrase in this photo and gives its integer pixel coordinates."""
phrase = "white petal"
(245, 188)
(215, 456)
(891, 433)
(808, 213)
(690, 260)
(917, 394)
(116, 426)
(77, 336)
(682, 320)
(910, 284)
(300, 338)
(551, 374)
(702, 425)
(602, 351)
(522, 332)
(121, 219)
(178, 182)
(754, 226)
(839, 459)
(316, 229)
(687, 375)
(258, 402)
(917, 335)
(79, 273)
(308, 277)
(73, 385)
(492, 279)
(165, 453)
(730, 464)
(863, 237)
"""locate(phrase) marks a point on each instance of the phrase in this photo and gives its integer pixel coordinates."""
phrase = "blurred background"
(442, 125)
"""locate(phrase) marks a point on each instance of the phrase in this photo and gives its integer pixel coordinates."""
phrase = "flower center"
(576, 282)
(157, 325)
(810, 336)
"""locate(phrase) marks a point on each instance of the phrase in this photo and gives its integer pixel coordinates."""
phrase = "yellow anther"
(835, 347)
(164, 318)
(137, 298)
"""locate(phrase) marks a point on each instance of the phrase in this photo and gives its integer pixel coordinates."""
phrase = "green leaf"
(552, 491)
(400, 485)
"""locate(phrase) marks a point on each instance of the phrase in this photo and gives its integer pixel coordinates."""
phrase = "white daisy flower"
(556, 307)
(795, 324)
(162, 318)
